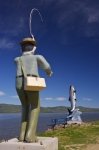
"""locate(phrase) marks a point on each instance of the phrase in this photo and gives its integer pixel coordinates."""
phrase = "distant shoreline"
(10, 108)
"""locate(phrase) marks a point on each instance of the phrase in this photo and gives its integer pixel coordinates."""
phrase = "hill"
(63, 109)
(10, 108)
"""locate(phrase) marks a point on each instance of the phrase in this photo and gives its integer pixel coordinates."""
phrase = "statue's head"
(28, 44)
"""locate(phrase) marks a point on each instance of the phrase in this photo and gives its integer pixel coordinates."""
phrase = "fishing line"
(30, 20)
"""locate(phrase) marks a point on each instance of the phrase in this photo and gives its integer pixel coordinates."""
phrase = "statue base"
(44, 143)
(74, 118)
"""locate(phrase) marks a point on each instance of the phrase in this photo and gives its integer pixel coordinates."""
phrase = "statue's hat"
(28, 40)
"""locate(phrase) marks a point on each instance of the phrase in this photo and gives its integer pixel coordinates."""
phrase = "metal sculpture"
(74, 113)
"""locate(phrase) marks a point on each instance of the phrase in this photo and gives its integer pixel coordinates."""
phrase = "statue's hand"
(49, 73)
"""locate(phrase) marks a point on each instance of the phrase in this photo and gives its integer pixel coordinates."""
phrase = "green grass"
(75, 135)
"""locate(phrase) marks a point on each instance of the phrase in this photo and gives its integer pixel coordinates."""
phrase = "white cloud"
(2, 93)
(56, 99)
(61, 98)
(92, 14)
(81, 15)
(15, 29)
(48, 98)
(21, 23)
(6, 43)
(87, 99)
(15, 97)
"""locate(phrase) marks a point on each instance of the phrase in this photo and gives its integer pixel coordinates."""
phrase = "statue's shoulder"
(16, 59)
(38, 56)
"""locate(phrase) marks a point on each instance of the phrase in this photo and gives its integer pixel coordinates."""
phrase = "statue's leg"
(33, 98)
(25, 112)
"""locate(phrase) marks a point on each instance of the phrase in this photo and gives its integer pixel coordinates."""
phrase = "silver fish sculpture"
(72, 98)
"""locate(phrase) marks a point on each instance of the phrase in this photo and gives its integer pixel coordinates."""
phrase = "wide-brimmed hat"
(28, 40)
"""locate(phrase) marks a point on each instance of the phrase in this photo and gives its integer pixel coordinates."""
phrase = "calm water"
(10, 123)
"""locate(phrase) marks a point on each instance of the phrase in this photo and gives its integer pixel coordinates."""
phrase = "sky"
(68, 38)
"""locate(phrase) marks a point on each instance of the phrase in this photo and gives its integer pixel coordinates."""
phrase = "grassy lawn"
(76, 137)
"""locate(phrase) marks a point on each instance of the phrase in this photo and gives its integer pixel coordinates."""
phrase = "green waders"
(30, 113)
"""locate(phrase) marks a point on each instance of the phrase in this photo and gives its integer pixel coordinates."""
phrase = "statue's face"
(27, 47)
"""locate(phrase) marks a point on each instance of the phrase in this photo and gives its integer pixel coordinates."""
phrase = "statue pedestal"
(44, 143)
(74, 118)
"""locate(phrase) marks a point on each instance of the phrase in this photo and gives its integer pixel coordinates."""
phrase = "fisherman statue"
(74, 113)
(30, 100)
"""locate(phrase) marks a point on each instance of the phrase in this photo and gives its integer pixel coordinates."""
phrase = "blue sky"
(68, 38)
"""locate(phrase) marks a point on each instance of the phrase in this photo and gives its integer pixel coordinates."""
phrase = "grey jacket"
(31, 63)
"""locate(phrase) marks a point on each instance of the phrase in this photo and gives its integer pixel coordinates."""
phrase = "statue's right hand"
(50, 74)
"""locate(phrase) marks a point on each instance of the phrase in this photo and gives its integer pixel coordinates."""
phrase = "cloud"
(12, 25)
(15, 97)
(6, 43)
(61, 98)
(76, 18)
(87, 99)
(76, 8)
(2, 93)
(48, 98)
(56, 99)
(93, 14)
(18, 27)
(21, 23)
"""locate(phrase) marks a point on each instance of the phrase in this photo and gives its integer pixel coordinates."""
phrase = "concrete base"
(73, 122)
(44, 143)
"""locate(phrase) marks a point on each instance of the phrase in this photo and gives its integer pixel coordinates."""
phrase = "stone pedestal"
(75, 117)
(44, 143)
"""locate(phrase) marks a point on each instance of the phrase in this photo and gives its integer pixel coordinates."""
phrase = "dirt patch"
(75, 147)
(82, 147)
(92, 147)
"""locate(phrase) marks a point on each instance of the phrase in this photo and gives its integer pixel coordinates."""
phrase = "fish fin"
(70, 112)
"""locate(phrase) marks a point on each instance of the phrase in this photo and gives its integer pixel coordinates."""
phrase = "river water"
(10, 123)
